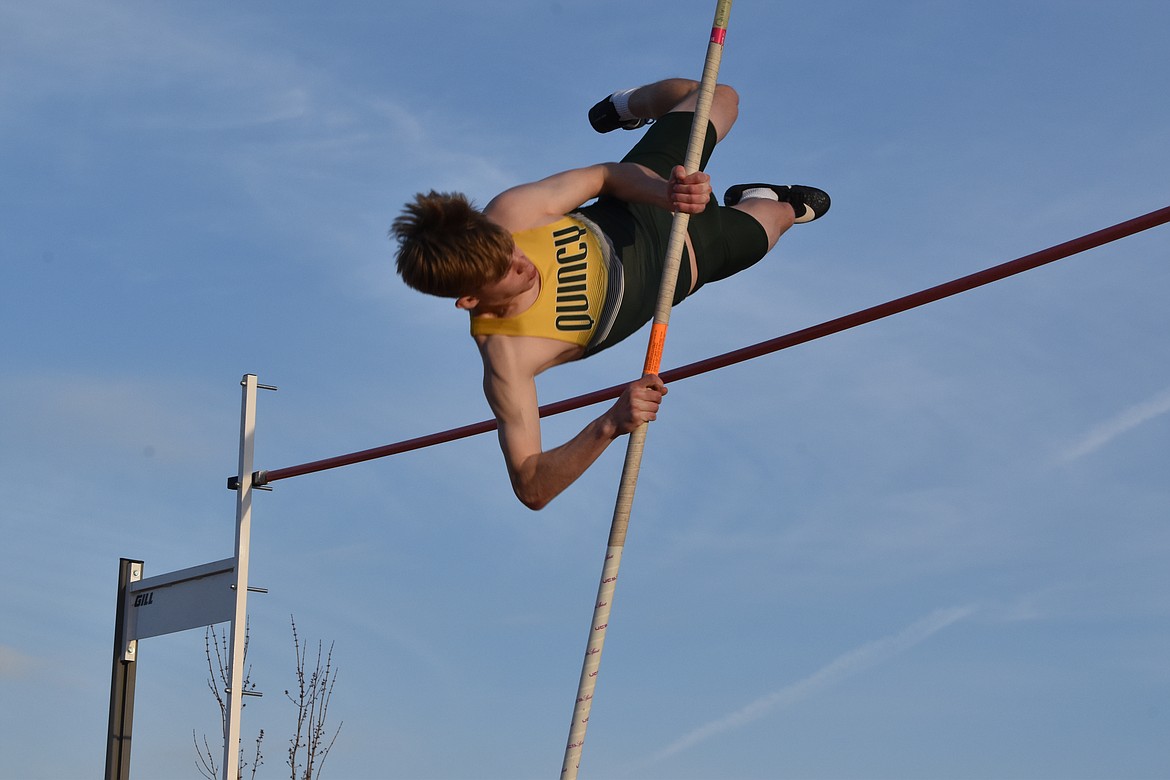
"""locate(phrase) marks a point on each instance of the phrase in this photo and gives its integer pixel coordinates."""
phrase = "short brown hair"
(447, 247)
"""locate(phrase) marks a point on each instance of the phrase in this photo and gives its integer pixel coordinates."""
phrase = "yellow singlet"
(574, 278)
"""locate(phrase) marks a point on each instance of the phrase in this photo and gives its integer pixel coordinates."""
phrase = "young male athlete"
(547, 279)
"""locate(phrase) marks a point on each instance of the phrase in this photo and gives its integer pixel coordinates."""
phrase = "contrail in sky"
(868, 655)
(1110, 429)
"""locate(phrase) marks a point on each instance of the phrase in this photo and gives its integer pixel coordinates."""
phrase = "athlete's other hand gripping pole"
(633, 462)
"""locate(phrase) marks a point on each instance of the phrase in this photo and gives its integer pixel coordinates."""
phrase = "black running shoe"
(808, 203)
(604, 118)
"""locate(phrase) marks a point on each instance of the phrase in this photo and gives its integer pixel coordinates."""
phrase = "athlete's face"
(520, 278)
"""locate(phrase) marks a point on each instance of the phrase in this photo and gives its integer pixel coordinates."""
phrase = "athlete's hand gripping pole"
(633, 462)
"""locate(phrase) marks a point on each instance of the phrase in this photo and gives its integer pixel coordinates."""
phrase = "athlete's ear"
(466, 302)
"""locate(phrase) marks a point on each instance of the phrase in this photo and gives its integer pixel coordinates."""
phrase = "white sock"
(759, 192)
(621, 101)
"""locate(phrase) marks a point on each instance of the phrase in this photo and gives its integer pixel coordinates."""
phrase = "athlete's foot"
(613, 113)
(808, 203)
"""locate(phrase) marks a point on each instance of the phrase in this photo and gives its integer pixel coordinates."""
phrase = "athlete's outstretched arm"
(538, 476)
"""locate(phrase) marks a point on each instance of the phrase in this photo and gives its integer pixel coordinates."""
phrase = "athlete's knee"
(726, 95)
(724, 109)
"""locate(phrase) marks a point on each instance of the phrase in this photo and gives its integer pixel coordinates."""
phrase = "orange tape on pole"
(655, 349)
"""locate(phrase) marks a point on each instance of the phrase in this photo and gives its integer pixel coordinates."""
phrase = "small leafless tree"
(311, 697)
(311, 742)
(215, 644)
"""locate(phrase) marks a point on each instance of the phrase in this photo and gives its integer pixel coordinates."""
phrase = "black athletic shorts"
(726, 240)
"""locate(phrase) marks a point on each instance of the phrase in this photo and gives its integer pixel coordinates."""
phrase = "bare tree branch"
(311, 741)
(313, 693)
(215, 644)
(206, 763)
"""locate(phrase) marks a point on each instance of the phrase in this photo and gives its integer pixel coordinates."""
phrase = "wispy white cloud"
(855, 661)
(157, 70)
(1110, 429)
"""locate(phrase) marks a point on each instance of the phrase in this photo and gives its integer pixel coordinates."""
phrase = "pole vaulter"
(636, 444)
(703, 98)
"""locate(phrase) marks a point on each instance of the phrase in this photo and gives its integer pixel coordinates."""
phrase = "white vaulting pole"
(633, 462)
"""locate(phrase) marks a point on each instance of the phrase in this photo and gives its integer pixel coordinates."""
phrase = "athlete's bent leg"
(633, 108)
(804, 204)
(774, 217)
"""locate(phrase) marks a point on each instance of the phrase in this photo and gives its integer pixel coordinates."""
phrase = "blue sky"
(933, 546)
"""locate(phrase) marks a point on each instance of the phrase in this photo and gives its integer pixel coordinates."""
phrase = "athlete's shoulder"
(523, 356)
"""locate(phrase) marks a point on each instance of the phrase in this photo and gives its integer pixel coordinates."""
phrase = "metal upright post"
(122, 681)
(235, 692)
